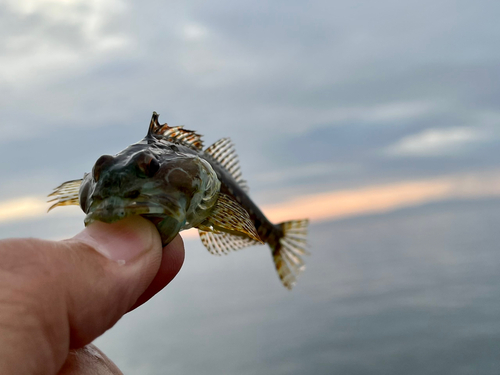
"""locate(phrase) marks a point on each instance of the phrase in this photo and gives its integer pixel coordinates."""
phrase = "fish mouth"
(113, 209)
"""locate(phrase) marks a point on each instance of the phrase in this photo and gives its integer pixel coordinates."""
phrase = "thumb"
(57, 295)
(110, 266)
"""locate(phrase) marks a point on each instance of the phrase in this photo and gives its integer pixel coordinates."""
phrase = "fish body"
(170, 180)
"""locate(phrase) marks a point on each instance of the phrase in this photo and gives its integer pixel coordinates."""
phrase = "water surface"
(410, 292)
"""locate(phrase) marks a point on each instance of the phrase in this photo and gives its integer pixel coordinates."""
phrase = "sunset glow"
(332, 204)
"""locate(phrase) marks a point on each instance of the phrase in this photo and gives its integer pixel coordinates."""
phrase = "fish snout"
(110, 210)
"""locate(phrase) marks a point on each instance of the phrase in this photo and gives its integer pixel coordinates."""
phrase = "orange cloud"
(328, 205)
(339, 204)
(383, 198)
(357, 202)
(22, 208)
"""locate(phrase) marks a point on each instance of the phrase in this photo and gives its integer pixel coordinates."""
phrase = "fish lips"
(113, 209)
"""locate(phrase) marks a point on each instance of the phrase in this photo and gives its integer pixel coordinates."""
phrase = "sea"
(413, 291)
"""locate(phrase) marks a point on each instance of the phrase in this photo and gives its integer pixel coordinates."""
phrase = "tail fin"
(288, 251)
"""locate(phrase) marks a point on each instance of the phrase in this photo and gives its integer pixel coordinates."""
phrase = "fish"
(169, 179)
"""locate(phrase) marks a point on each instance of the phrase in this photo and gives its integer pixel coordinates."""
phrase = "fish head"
(171, 188)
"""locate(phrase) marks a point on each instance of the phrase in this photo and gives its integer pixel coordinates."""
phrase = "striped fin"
(176, 134)
(224, 153)
(287, 254)
(218, 243)
(228, 216)
(66, 194)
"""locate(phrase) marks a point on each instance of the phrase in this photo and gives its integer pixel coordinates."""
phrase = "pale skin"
(56, 297)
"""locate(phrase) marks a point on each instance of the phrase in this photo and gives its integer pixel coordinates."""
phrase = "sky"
(319, 97)
(339, 110)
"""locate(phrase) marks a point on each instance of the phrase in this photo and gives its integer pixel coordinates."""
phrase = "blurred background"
(380, 121)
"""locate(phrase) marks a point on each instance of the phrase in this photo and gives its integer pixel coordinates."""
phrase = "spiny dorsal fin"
(153, 124)
(224, 153)
(228, 216)
(218, 243)
(66, 194)
(175, 134)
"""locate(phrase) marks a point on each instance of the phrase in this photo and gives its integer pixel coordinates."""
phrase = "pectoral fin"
(66, 194)
(228, 216)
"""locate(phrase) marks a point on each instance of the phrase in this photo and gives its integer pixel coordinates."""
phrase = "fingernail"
(121, 241)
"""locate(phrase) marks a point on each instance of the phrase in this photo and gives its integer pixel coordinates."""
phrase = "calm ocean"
(410, 292)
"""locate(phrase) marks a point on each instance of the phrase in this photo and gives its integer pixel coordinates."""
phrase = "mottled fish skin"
(268, 232)
(169, 179)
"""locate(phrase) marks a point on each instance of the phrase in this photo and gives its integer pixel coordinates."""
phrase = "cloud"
(367, 200)
(303, 118)
(397, 111)
(304, 172)
(42, 38)
(82, 77)
(435, 142)
(194, 32)
(385, 198)
(22, 209)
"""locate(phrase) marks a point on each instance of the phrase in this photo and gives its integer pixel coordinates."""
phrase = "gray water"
(410, 292)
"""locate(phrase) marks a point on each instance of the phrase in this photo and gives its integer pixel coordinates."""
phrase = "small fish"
(170, 180)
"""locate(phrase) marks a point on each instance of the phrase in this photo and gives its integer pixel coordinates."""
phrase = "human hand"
(56, 297)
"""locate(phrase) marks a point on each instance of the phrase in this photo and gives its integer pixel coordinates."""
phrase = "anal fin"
(219, 243)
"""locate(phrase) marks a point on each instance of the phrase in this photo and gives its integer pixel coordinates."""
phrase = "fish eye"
(100, 164)
(148, 164)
